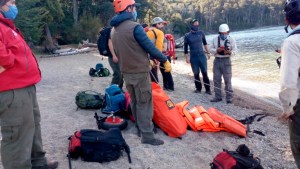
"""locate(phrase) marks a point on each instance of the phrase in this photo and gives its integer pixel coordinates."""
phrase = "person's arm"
(143, 40)
(185, 49)
(112, 51)
(6, 57)
(214, 46)
(289, 73)
(234, 47)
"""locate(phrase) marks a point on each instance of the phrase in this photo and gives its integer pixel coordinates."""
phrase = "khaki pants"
(140, 90)
(294, 127)
(21, 144)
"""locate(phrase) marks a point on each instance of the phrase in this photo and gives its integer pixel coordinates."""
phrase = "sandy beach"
(64, 76)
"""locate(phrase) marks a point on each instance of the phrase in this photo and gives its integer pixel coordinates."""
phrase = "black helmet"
(291, 7)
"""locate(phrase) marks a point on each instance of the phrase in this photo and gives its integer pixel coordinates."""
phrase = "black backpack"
(102, 42)
(97, 146)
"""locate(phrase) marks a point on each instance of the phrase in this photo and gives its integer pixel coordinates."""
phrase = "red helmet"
(121, 5)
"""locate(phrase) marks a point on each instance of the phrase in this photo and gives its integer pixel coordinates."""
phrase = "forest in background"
(50, 22)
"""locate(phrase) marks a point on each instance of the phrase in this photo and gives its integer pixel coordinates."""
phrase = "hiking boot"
(49, 165)
(197, 91)
(154, 142)
(208, 92)
(215, 100)
(139, 132)
(229, 102)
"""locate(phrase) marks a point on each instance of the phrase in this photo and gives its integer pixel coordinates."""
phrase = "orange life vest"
(166, 115)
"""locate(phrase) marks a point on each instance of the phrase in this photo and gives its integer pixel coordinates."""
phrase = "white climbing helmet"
(224, 28)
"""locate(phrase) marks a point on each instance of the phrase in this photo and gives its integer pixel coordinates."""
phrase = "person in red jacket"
(21, 144)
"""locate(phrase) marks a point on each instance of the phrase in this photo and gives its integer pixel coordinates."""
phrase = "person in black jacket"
(195, 40)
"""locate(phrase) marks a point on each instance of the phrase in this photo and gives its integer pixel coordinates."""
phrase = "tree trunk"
(75, 11)
(49, 45)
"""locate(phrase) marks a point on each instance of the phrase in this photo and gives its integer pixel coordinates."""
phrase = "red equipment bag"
(170, 46)
(223, 161)
(166, 115)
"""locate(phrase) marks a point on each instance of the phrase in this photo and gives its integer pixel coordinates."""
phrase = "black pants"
(168, 82)
(294, 125)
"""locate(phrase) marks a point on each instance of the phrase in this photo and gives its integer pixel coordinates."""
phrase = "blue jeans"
(199, 62)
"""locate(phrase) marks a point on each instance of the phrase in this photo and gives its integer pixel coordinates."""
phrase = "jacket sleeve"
(289, 76)
(143, 40)
(186, 44)
(234, 47)
(6, 57)
(204, 39)
(214, 46)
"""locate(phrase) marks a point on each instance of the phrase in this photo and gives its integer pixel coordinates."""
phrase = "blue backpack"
(114, 99)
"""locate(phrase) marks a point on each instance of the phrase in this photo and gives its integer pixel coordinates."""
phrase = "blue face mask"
(223, 37)
(195, 28)
(135, 15)
(11, 13)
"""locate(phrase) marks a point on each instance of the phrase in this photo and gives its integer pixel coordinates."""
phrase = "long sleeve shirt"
(215, 45)
(289, 72)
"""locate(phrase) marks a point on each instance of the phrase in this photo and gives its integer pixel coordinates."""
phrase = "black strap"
(219, 44)
(295, 32)
(69, 159)
(154, 34)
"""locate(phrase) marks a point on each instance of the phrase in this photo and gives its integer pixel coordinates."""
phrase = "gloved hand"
(227, 52)
(152, 64)
(167, 66)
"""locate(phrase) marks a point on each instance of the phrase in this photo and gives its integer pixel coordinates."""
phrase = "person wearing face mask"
(289, 94)
(132, 47)
(195, 40)
(223, 47)
(21, 144)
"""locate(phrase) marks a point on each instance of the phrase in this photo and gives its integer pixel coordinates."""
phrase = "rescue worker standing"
(132, 46)
(195, 40)
(290, 76)
(156, 35)
(21, 143)
(223, 47)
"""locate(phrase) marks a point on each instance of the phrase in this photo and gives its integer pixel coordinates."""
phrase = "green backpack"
(89, 100)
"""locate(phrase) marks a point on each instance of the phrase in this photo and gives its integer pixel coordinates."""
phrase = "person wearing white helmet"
(223, 47)
(289, 94)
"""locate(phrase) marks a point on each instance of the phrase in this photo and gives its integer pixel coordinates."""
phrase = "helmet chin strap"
(286, 28)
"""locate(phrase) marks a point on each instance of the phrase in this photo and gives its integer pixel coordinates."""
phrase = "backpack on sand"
(97, 146)
(114, 99)
(239, 159)
(102, 42)
(89, 100)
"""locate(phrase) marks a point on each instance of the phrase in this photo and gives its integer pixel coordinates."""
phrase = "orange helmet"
(120, 5)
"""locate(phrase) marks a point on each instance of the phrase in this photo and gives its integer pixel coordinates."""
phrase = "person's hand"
(167, 66)
(115, 59)
(227, 52)
(2, 69)
(286, 115)
(152, 64)
(208, 56)
(187, 58)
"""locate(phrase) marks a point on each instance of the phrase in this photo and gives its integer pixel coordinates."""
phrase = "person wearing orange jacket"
(21, 144)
